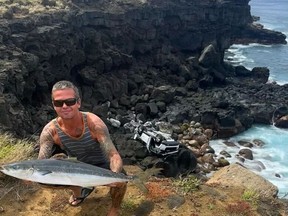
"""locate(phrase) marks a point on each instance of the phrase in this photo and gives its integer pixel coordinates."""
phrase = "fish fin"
(73, 159)
(44, 172)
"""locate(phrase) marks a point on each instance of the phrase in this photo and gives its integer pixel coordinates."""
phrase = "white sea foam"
(274, 155)
(270, 161)
(273, 15)
(235, 55)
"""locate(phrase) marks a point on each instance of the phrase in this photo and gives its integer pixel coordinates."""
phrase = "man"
(82, 135)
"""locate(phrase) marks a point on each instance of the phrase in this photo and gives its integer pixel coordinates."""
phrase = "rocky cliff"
(145, 57)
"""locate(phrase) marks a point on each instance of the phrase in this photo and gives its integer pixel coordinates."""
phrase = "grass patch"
(128, 205)
(250, 196)
(185, 185)
(211, 206)
(13, 149)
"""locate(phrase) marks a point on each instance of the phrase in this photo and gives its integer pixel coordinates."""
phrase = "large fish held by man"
(63, 172)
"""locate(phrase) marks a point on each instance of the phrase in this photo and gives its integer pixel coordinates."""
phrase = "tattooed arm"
(46, 142)
(108, 147)
(100, 132)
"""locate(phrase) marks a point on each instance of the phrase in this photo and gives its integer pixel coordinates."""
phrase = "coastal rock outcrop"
(123, 53)
(256, 33)
(236, 175)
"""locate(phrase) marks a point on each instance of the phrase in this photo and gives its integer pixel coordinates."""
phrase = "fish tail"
(140, 185)
(142, 177)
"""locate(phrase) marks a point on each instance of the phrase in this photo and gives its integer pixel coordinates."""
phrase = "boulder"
(242, 71)
(236, 175)
(261, 73)
(209, 57)
(163, 93)
(246, 153)
(282, 122)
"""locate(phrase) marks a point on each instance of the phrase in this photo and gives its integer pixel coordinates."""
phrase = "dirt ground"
(163, 199)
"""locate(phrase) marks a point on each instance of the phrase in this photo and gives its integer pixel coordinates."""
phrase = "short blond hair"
(63, 84)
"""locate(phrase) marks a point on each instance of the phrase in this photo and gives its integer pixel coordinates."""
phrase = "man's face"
(65, 103)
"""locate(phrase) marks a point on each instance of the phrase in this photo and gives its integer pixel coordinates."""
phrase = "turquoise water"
(270, 161)
(274, 155)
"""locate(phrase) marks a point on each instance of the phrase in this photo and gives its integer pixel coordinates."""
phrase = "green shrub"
(250, 196)
(187, 184)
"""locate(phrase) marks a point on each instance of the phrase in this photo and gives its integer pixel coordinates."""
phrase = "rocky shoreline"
(143, 58)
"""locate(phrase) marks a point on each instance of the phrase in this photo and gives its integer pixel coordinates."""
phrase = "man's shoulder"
(94, 120)
(91, 116)
(50, 125)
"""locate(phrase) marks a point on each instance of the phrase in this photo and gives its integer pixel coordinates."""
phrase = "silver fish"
(63, 172)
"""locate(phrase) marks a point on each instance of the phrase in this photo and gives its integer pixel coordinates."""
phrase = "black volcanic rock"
(255, 33)
(152, 58)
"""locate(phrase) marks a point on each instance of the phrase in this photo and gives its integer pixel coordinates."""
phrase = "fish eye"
(14, 167)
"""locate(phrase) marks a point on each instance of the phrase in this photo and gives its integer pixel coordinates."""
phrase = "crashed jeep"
(155, 141)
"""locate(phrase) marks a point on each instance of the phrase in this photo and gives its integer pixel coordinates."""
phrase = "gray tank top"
(85, 148)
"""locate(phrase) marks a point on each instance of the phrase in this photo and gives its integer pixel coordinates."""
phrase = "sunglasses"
(68, 102)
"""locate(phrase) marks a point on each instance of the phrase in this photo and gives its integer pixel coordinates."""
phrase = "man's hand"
(60, 156)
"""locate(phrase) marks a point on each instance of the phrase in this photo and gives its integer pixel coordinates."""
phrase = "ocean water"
(273, 15)
(271, 160)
